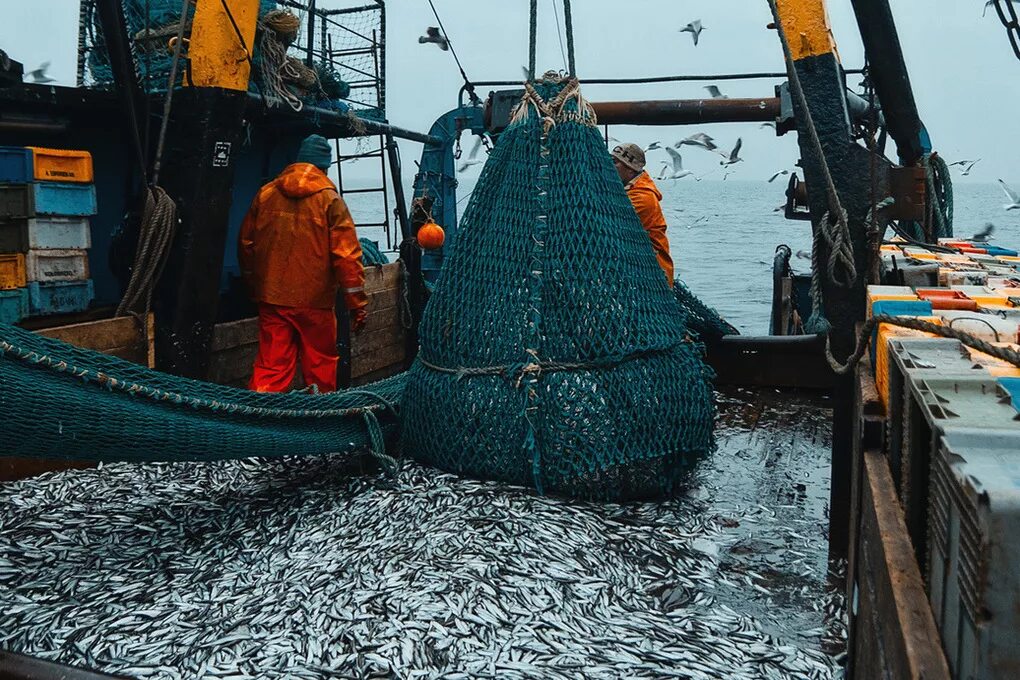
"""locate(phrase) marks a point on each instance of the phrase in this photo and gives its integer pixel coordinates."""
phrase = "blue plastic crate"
(895, 308)
(1012, 388)
(13, 305)
(999, 250)
(58, 198)
(15, 165)
(64, 297)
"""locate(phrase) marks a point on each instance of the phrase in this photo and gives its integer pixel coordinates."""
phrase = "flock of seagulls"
(674, 168)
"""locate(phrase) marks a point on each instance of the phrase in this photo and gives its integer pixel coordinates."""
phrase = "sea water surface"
(723, 235)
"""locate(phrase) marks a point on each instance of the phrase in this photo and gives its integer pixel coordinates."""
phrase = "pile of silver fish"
(304, 568)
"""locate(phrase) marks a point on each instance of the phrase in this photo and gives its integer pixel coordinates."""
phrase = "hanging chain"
(1008, 16)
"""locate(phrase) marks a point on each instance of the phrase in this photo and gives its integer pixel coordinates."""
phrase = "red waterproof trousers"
(286, 333)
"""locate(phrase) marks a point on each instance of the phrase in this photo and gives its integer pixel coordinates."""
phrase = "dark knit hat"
(316, 150)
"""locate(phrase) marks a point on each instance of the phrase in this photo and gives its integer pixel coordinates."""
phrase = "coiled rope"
(159, 215)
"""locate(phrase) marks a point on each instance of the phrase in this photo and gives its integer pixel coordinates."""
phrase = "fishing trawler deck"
(309, 567)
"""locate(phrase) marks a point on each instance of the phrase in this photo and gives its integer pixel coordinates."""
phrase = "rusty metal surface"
(907, 186)
(681, 111)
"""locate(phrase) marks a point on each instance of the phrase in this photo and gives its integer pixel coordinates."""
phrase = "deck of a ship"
(305, 568)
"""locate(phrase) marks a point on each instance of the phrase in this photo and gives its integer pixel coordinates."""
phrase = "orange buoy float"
(431, 236)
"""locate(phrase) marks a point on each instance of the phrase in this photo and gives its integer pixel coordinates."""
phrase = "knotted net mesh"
(61, 401)
(553, 354)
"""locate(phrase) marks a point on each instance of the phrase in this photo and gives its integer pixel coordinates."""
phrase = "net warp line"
(135, 389)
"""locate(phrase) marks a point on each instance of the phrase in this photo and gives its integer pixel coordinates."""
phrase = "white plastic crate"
(974, 544)
(48, 266)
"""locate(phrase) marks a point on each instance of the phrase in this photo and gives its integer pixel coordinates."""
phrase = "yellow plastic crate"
(12, 272)
(996, 367)
(887, 332)
(62, 165)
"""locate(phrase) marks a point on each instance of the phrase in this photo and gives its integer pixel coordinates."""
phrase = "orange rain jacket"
(298, 243)
(645, 197)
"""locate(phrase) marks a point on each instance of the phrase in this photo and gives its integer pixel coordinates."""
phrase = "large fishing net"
(553, 354)
(61, 401)
(703, 322)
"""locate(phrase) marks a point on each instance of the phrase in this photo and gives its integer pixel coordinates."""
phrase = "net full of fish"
(305, 569)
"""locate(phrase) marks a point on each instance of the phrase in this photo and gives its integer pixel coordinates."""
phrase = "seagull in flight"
(432, 35)
(1014, 197)
(472, 158)
(985, 235)
(698, 139)
(678, 165)
(734, 156)
(988, 4)
(970, 165)
(714, 91)
(769, 124)
(778, 174)
(694, 28)
(654, 146)
(39, 75)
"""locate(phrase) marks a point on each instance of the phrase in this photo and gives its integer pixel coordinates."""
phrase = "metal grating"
(350, 37)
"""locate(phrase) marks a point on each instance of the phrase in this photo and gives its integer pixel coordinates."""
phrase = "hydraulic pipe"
(888, 74)
(685, 111)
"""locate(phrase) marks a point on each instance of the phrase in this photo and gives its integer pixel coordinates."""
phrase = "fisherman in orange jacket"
(297, 246)
(629, 160)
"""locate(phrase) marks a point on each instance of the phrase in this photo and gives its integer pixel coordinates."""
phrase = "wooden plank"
(12, 469)
(379, 358)
(386, 276)
(384, 372)
(386, 319)
(383, 300)
(103, 335)
(896, 635)
(366, 342)
(235, 334)
(232, 365)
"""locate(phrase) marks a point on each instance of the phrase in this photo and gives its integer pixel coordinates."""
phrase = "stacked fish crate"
(953, 438)
(46, 199)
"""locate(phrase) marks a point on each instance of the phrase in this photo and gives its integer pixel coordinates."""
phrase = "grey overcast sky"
(964, 74)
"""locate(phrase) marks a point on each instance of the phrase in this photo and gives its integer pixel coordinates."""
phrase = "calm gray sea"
(723, 235)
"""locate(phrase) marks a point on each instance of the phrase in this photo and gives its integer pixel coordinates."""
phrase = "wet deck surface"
(299, 568)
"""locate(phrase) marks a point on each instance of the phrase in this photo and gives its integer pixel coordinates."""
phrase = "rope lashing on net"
(554, 110)
(1006, 354)
(536, 367)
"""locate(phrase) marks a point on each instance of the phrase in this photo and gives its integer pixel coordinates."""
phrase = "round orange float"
(431, 236)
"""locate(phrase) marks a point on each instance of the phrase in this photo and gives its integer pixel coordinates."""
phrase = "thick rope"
(159, 215)
(1004, 353)
(155, 235)
(569, 25)
(274, 66)
(532, 41)
(939, 185)
(536, 367)
(553, 111)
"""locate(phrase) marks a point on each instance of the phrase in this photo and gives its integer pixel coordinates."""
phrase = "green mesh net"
(702, 321)
(61, 401)
(553, 354)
